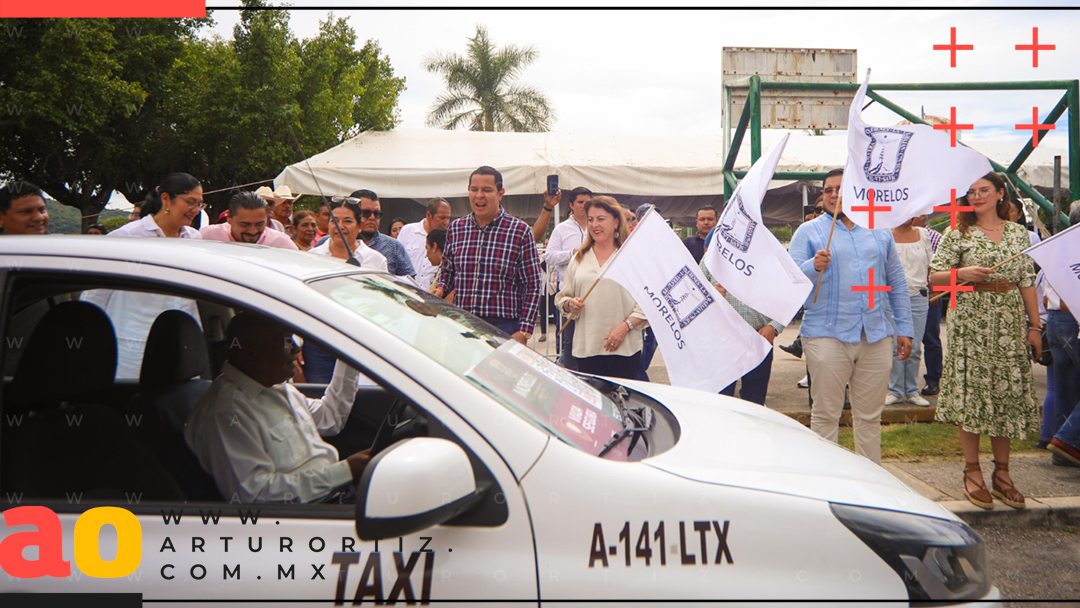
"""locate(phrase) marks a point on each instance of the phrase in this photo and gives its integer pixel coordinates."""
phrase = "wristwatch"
(628, 324)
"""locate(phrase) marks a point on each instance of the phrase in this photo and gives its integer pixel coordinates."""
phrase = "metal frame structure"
(751, 117)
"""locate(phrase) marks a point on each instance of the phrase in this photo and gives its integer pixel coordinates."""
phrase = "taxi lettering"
(371, 580)
(707, 531)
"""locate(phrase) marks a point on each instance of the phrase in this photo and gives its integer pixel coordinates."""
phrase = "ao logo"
(885, 153)
(736, 225)
(686, 296)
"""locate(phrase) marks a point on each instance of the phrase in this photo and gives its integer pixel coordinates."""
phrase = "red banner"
(102, 8)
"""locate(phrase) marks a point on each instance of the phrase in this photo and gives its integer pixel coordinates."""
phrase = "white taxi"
(499, 477)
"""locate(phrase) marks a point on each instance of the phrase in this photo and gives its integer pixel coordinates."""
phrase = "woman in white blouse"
(607, 331)
(166, 213)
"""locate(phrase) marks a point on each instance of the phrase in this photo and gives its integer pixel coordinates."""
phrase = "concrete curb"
(1055, 512)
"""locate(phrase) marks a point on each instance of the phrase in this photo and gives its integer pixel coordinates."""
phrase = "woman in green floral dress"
(987, 384)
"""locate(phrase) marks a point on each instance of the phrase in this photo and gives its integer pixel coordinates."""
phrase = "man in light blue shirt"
(846, 341)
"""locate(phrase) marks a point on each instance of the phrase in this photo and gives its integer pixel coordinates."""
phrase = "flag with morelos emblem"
(705, 343)
(910, 168)
(747, 259)
(1059, 257)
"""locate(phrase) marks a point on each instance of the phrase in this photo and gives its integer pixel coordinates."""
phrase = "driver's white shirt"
(263, 444)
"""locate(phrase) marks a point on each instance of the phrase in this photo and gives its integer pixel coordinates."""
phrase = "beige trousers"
(865, 368)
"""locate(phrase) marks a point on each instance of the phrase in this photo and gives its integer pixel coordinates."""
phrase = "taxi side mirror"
(413, 485)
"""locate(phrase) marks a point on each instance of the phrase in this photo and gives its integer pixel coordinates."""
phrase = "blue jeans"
(755, 384)
(648, 349)
(904, 377)
(932, 344)
(566, 344)
(510, 326)
(1061, 330)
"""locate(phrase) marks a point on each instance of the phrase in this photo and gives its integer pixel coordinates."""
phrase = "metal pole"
(1074, 141)
(1057, 194)
(755, 118)
(1051, 118)
(1024, 85)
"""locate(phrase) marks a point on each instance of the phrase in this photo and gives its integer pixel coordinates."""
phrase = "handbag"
(1046, 358)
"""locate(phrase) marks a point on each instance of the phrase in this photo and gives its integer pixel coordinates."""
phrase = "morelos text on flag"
(705, 343)
(1059, 257)
(910, 168)
(747, 259)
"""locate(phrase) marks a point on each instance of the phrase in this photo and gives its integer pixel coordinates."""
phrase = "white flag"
(705, 343)
(747, 259)
(1059, 257)
(910, 168)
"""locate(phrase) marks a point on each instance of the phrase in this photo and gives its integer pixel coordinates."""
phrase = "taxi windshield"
(518, 377)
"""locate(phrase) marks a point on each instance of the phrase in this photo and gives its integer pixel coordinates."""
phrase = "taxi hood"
(732, 442)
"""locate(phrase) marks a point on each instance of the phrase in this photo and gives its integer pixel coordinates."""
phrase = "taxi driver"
(259, 436)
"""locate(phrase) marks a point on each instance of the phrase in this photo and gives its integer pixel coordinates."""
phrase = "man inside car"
(260, 437)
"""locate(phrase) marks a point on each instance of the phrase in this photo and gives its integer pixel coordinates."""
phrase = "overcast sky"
(656, 71)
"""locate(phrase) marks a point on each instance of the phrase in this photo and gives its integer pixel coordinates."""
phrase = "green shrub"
(782, 233)
(114, 222)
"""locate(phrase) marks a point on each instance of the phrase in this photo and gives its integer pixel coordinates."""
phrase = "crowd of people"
(857, 355)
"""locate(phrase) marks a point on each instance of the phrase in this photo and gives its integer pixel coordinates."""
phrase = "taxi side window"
(74, 429)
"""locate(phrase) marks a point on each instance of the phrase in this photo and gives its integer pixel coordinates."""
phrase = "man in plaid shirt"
(492, 261)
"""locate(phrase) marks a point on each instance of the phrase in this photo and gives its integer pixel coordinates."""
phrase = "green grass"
(926, 441)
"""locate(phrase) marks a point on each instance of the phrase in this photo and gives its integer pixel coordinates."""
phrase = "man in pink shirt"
(247, 224)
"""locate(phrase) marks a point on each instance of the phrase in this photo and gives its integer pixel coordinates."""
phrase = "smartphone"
(553, 185)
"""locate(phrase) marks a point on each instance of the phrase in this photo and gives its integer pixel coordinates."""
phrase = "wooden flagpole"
(836, 214)
(939, 294)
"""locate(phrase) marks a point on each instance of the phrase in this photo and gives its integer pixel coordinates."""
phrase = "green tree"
(96, 105)
(71, 93)
(482, 92)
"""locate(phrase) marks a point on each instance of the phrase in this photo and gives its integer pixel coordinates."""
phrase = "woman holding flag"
(987, 385)
(607, 336)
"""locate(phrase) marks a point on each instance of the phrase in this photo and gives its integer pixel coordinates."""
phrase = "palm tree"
(482, 94)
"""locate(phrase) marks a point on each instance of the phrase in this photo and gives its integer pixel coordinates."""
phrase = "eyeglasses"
(339, 201)
(196, 204)
(371, 212)
(981, 192)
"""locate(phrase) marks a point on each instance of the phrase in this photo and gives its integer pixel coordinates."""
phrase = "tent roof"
(423, 163)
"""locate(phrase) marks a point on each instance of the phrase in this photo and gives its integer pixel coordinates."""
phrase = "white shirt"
(133, 313)
(565, 239)
(369, 258)
(915, 258)
(264, 444)
(148, 227)
(414, 238)
(608, 305)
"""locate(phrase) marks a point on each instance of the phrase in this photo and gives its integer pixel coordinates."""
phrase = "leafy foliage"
(89, 106)
(482, 93)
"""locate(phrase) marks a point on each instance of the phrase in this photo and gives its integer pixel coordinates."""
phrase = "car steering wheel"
(402, 420)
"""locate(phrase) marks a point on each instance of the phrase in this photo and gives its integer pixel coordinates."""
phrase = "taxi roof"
(225, 260)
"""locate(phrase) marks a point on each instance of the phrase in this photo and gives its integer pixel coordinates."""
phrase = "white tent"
(678, 172)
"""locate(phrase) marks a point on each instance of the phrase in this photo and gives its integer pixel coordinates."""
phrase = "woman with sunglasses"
(987, 385)
(166, 213)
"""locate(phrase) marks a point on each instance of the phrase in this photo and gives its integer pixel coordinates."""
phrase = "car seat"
(169, 387)
(57, 441)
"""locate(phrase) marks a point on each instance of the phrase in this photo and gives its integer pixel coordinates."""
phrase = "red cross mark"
(953, 209)
(952, 47)
(871, 288)
(953, 287)
(1035, 47)
(952, 127)
(871, 209)
(1035, 127)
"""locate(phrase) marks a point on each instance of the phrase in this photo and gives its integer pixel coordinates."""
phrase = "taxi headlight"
(938, 560)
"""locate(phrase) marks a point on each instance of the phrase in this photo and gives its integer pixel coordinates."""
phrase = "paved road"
(1034, 563)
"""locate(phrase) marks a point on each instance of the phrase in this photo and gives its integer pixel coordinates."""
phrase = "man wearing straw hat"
(281, 201)
(846, 335)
